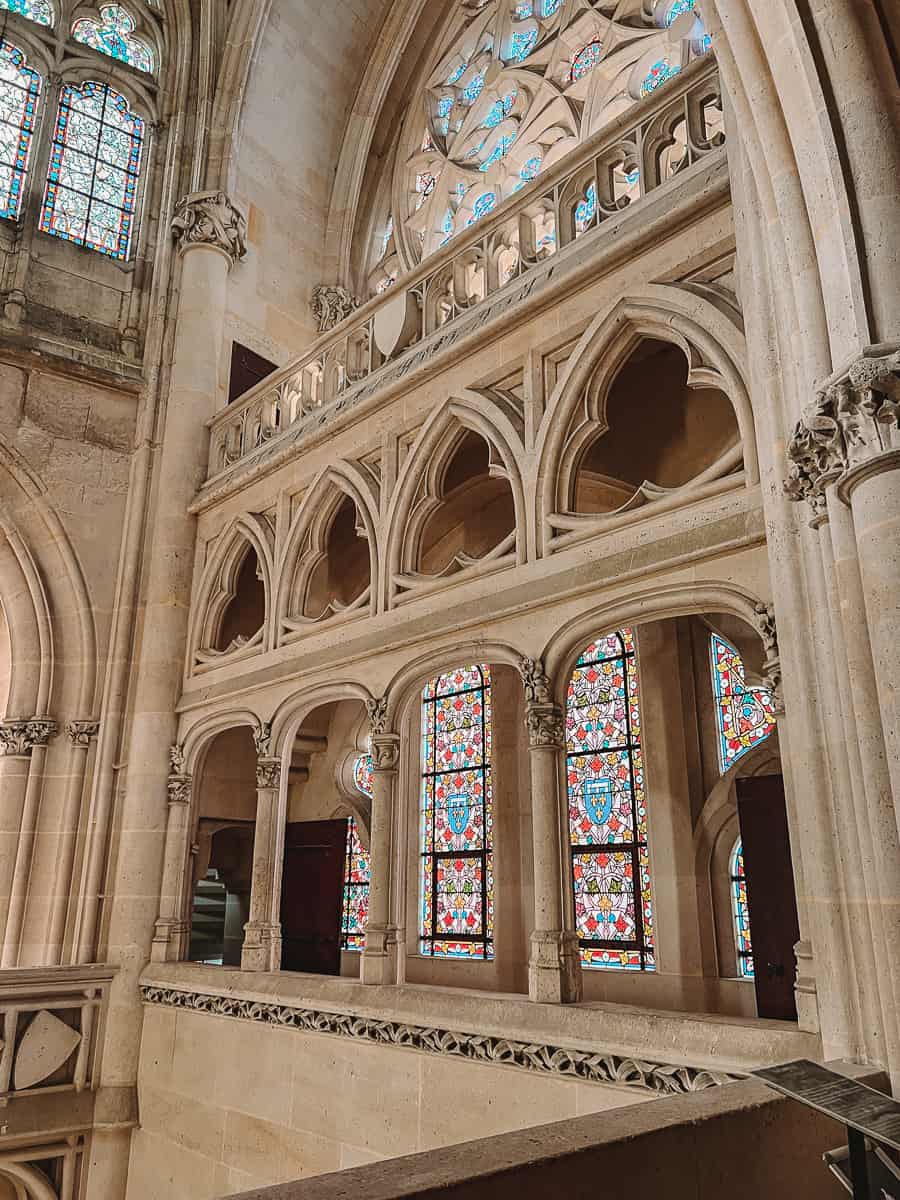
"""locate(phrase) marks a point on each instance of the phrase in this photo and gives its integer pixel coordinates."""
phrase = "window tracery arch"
(39, 11)
(744, 715)
(113, 33)
(511, 92)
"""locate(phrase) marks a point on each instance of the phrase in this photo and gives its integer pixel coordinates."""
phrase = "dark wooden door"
(311, 896)
(774, 928)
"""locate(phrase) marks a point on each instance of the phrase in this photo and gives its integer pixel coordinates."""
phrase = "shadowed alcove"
(245, 612)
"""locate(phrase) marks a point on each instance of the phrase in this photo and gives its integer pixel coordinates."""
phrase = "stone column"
(262, 933)
(173, 923)
(210, 235)
(554, 968)
(379, 959)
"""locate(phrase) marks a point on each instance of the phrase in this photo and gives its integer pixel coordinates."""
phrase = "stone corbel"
(535, 681)
(20, 737)
(544, 720)
(262, 739)
(80, 732)
(850, 422)
(768, 631)
(331, 304)
(210, 219)
(268, 773)
(377, 712)
(385, 751)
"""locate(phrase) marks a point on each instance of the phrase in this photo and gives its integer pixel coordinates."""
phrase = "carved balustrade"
(662, 137)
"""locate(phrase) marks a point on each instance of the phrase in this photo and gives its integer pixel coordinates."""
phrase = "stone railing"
(663, 136)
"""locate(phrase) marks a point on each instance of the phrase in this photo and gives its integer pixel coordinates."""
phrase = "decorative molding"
(377, 710)
(535, 681)
(591, 1066)
(268, 772)
(850, 422)
(331, 304)
(262, 739)
(80, 733)
(768, 631)
(20, 737)
(385, 751)
(179, 788)
(210, 219)
(546, 725)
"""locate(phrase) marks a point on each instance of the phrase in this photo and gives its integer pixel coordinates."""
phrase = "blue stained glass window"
(500, 109)
(485, 202)
(705, 44)
(39, 11)
(530, 169)
(524, 10)
(679, 7)
(503, 145)
(113, 35)
(586, 209)
(447, 227)
(457, 73)
(20, 90)
(607, 807)
(521, 45)
(473, 88)
(95, 160)
(445, 104)
(744, 715)
(585, 60)
(661, 72)
(741, 913)
(549, 7)
(457, 878)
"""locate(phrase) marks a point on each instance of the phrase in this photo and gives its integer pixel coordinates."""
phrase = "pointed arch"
(218, 587)
(418, 490)
(713, 343)
(406, 686)
(306, 544)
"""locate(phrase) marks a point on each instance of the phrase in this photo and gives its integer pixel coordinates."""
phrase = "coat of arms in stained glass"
(607, 809)
(457, 880)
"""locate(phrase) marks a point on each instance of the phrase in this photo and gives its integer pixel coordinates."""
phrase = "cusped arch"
(305, 544)
(218, 587)
(418, 487)
(713, 343)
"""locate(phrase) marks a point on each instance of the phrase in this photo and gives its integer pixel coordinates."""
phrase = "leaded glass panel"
(607, 808)
(39, 11)
(744, 715)
(741, 913)
(95, 160)
(20, 90)
(357, 876)
(113, 34)
(457, 878)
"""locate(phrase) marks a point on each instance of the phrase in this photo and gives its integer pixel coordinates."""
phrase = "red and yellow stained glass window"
(20, 90)
(357, 869)
(95, 161)
(457, 880)
(607, 807)
(744, 715)
(740, 911)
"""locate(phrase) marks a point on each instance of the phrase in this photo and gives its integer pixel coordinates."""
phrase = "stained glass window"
(658, 74)
(585, 60)
(357, 875)
(679, 7)
(34, 10)
(20, 89)
(485, 202)
(113, 35)
(362, 774)
(95, 160)
(607, 807)
(521, 45)
(741, 912)
(498, 152)
(457, 880)
(744, 715)
(549, 7)
(586, 209)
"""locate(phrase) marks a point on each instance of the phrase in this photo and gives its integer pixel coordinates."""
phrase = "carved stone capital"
(179, 788)
(385, 751)
(80, 733)
(210, 219)
(20, 737)
(268, 772)
(377, 710)
(262, 739)
(535, 681)
(546, 725)
(768, 631)
(850, 422)
(331, 304)
(176, 758)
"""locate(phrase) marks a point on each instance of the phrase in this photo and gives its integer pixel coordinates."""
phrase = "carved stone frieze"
(331, 304)
(377, 711)
(210, 219)
(546, 725)
(80, 733)
(20, 737)
(593, 1067)
(385, 751)
(848, 423)
(535, 680)
(268, 772)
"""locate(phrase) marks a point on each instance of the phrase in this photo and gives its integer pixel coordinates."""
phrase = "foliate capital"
(331, 304)
(851, 421)
(20, 737)
(179, 788)
(80, 733)
(385, 751)
(210, 219)
(546, 725)
(536, 681)
(268, 772)
(377, 711)
(262, 739)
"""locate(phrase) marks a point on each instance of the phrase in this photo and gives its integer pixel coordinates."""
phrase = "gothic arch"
(292, 712)
(406, 685)
(714, 347)
(305, 545)
(417, 493)
(218, 587)
(196, 740)
(29, 1182)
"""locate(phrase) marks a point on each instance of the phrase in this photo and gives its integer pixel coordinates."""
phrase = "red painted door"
(774, 928)
(312, 890)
